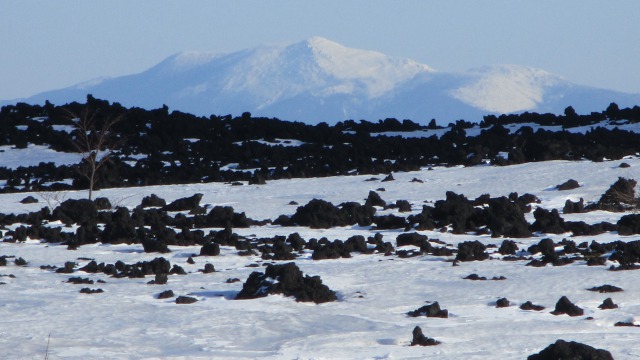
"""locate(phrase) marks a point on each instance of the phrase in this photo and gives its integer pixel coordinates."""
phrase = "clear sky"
(47, 44)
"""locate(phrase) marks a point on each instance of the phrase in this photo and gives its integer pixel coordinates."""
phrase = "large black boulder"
(224, 217)
(564, 350)
(621, 196)
(548, 221)
(471, 250)
(286, 279)
(120, 228)
(321, 214)
(75, 211)
(629, 224)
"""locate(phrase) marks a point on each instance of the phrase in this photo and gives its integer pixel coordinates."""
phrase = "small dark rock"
(388, 178)
(91, 291)
(208, 268)
(67, 269)
(564, 306)
(502, 303)
(475, 277)
(623, 323)
(431, 310)
(607, 304)
(508, 247)
(29, 200)
(166, 294)
(605, 289)
(530, 306)
(185, 300)
(568, 185)
(210, 249)
(79, 280)
(421, 340)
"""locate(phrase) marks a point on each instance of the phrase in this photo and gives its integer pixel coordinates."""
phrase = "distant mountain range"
(318, 80)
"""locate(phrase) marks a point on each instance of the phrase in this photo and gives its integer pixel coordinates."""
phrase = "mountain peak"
(318, 80)
(506, 88)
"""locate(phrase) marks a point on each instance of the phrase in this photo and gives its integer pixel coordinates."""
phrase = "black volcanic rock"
(185, 300)
(184, 204)
(166, 294)
(530, 306)
(571, 351)
(605, 289)
(607, 304)
(471, 250)
(629, 224)
(322, 214)
(286, 279)
(152, 201)
(571, 207)
(431, 310)
(420, 339)
(568, 185)
(620, 196)
(565, 306)
(210, 249)
(508, 247)
(548, 221)
(502, 303)
(29, 200)
(75, 211)
(374, 199)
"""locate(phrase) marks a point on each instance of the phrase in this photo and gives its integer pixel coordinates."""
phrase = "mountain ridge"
(318, 80)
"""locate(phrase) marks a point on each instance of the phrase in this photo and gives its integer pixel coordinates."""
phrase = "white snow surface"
(506, 88)
(12, 157)
(39, 309)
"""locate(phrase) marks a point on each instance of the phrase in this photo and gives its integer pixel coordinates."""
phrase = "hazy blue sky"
(52, 44)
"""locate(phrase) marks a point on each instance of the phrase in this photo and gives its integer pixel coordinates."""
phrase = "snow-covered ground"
(475, 130)
(375, 292)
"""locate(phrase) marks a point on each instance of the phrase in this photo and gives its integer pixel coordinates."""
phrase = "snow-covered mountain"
(319, 80)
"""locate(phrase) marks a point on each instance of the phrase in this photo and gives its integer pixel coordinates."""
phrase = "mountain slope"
(319, 80)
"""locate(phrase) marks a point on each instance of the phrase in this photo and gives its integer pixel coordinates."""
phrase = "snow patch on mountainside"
(377, 71)
(190, 59)
(506, 88)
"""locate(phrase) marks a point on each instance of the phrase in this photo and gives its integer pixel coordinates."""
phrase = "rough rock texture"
(530, 306)
(184, 204)
(571, 351)
(471, 250)
(420, 339)
(502, 303)
(568, 185)
(629, 224)
(620, 196)
(605, 289)
(607, 304)
(564, 306)
(286, 279)
(431, 310)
